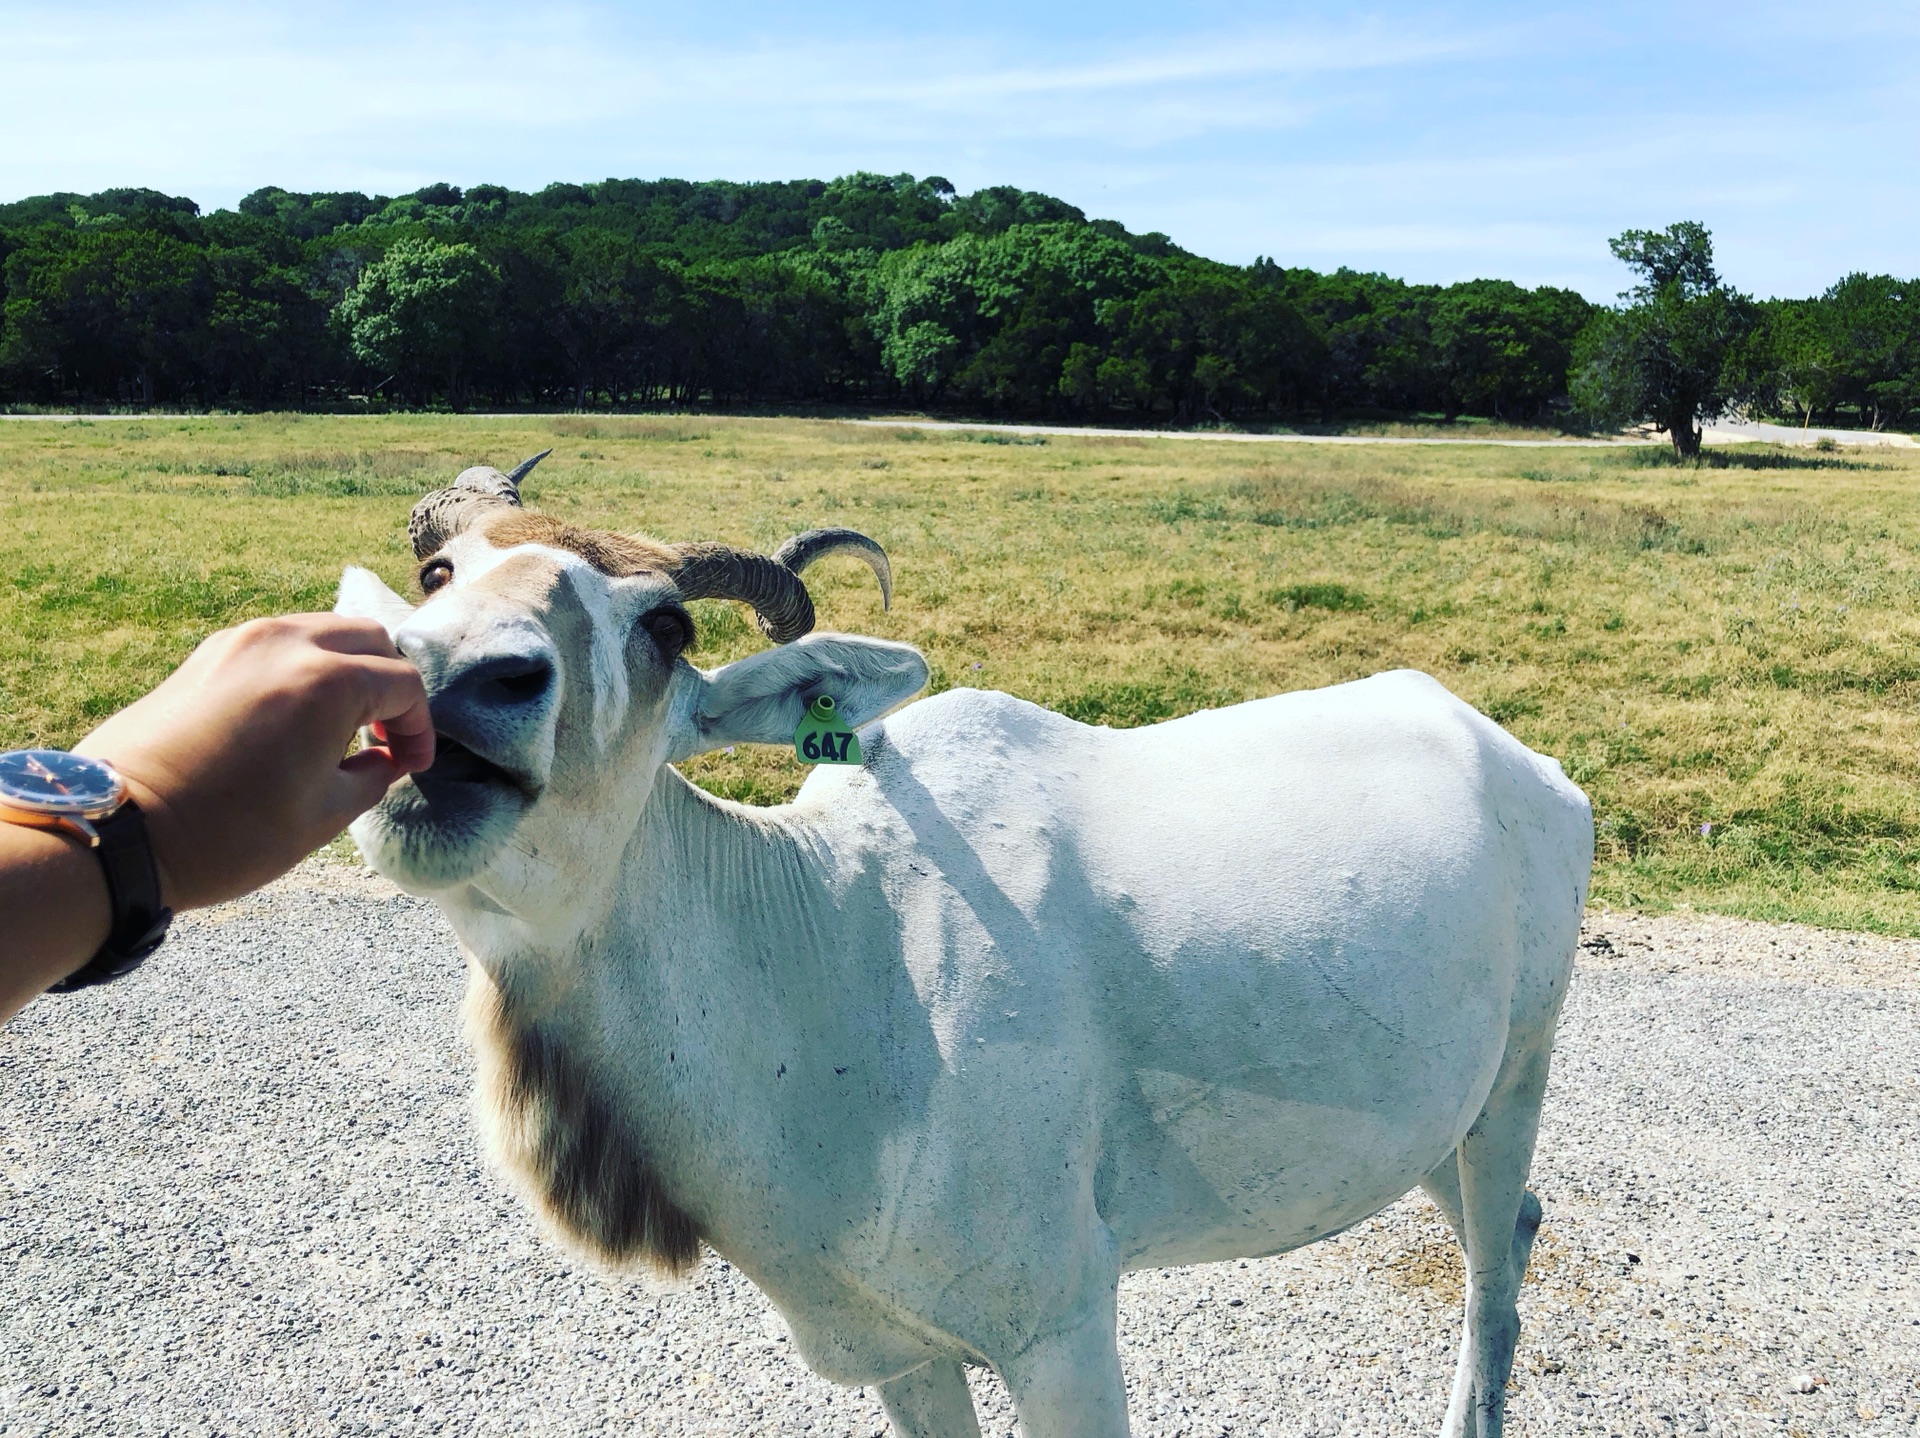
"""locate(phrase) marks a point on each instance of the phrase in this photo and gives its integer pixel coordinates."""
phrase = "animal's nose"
(504, 681)
(495, 700)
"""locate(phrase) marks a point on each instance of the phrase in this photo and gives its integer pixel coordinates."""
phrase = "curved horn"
(803, 549)
(719, 571)
(445, 512)
(773, 586)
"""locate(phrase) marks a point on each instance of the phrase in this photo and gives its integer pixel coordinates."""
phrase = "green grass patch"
(1729, 644)
(1129, 705)
(1331, 597)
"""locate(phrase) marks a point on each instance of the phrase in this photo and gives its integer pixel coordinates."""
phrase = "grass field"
(1722, 655)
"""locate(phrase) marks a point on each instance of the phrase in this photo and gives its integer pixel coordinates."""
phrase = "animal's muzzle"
(490, 706)
(502, 684)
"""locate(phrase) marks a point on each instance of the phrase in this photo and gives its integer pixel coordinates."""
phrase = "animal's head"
(554, 662)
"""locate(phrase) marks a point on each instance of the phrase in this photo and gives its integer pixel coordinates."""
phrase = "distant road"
(1724, 432)
(1088, 432)
(1733, 431)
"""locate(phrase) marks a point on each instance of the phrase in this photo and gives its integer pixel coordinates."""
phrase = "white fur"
(610, 620)
(762, 698)
(474, 558)
(364, 595)
(938, 1051)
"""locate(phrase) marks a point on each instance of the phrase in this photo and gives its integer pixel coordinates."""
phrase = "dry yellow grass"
(1727, 646)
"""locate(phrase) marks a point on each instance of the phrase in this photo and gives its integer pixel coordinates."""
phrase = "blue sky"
(1438, 142)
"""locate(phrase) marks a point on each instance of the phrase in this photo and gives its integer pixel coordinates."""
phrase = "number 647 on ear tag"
(823, 736)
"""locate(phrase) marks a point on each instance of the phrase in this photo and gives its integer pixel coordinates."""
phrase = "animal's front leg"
(931, 1402)
(1069, 1385)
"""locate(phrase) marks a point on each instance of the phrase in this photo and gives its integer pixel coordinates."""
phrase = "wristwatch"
(87, 799)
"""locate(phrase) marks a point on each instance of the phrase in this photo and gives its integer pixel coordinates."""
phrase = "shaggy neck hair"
(549, 1121)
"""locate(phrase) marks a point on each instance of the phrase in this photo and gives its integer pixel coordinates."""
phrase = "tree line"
(868, 289)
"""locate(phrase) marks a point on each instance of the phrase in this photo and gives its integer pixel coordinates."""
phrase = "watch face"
(52, 782)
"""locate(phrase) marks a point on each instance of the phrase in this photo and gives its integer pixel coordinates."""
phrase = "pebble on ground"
(240, 1193)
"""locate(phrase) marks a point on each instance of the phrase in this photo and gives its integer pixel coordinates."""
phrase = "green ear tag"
(823, 736)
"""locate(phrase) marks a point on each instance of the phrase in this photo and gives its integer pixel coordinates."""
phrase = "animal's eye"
(436, 575)
(671, 630)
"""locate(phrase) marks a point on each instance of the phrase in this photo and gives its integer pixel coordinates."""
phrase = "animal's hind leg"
(1482, 1190)
(931, 1402)
(1443, 1187)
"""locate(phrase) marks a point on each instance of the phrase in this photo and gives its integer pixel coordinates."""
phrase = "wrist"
(80, 816)
(162, 819)
(54, 895)
(162, 831)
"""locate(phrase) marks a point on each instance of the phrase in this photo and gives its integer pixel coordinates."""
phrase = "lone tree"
(422, 312)
(1670, 353)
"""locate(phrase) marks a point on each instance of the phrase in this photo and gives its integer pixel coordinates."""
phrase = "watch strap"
(140, 920)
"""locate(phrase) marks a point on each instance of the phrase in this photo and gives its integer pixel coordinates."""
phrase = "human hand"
(236, 759)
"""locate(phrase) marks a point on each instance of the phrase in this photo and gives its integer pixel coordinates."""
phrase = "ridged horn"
(477, 491)
(772, 586)
(803, 549)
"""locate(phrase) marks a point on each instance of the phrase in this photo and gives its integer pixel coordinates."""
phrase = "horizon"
(1431, 143)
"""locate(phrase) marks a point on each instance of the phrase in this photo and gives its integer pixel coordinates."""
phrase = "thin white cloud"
(1367, 46)
(1435, 144)
(253, 79)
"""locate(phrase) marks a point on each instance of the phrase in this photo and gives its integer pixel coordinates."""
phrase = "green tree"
(864, 288)
(1671, 353)
(1048, 286)
(604, 307)
(926, 311)
(1212, 342)
(996, 317)
(422, 312)
(1872, 326)
(1378, 352)
(1793, 366)
(1501, 350)
(111, 312)
(884, 212)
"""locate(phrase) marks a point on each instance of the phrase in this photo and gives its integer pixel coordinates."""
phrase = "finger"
(396, 700)
(342, 634)
(412, 751)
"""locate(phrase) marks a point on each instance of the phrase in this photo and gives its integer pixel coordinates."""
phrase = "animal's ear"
(761, 699)
(364, 596)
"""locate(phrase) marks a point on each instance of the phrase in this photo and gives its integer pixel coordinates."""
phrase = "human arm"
(236, 762)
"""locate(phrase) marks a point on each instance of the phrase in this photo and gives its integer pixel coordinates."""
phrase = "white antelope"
(938, 1051)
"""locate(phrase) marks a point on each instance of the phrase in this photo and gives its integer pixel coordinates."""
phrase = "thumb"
(361, 781)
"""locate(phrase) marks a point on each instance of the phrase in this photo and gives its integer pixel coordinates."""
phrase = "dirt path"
(1726, 432)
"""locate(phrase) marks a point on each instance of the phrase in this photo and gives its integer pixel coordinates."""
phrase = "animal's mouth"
(454, 763)
(441, 826)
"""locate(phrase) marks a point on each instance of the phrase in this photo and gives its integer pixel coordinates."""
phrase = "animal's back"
(1282, 945)
(1309, 812)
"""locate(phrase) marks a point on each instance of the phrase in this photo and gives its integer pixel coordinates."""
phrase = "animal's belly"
(1224, 1169)
(1270, 1103)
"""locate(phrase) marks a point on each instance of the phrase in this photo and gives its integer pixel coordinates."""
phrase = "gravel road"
(239, 1193)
